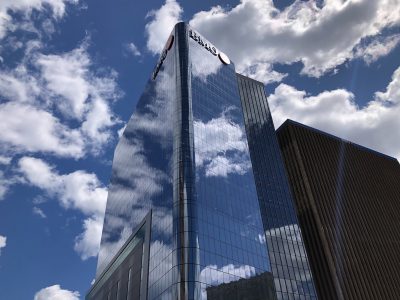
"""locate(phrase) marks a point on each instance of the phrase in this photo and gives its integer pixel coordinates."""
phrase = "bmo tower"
(192, 213)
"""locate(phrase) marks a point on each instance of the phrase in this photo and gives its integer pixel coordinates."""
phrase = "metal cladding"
(348, 202)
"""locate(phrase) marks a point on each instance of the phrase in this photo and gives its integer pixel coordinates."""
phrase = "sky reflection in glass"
(184, 154)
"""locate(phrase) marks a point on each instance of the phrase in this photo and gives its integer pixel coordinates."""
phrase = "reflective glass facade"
(143, 179)
(184, 155)
(230, 231)
(289, 262)
(127, 273)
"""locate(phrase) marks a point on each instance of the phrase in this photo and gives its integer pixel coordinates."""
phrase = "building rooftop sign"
(208, 46)
(167, 47)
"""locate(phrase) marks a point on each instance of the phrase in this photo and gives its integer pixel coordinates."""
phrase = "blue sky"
(71, 72)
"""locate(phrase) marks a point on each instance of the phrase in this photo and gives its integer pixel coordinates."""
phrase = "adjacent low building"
(348, 203)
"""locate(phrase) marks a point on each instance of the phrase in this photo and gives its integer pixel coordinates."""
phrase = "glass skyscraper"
(199, 205)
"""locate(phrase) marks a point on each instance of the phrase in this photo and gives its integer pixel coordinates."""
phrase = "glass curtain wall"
(142, 178)
(184, 155)
(231, 240)
(289, 262)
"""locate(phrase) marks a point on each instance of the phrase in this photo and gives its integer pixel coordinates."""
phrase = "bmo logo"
(224, 58)
(210, 48)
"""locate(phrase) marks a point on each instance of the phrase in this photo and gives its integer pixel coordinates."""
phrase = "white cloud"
(377, 48)
(3, 186)
(392, 94)
(18, 85)
(222, 165)
(291, 232)
(5, 183)
(5, 160)
(256, 34)
(39, 199)
(48, 27)
(280, 240)
(3, 242)
(39, 212)
(65, 77)
(121, 131)
(55, 292)
(87, 244)
(99, 120)
(220, 146)
(78, 190)
(218, 275)
(65, 83)
(57, 8)
(201, 68)
(27, 128)
(58, 104)
(263, 72)
(375, 125)
(80, 94)
(161, 25)
(132, 49)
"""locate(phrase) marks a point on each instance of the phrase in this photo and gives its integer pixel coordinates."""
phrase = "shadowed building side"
(348, 202)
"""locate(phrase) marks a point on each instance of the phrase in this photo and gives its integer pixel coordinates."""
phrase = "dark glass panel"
(231, 238)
